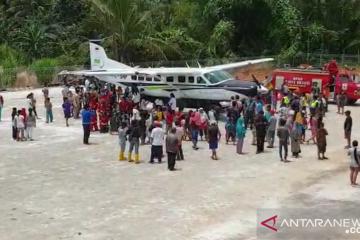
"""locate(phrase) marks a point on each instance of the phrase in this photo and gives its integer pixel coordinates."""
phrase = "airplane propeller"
(255, 80)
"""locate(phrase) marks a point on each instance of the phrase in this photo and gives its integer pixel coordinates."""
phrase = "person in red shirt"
(169, 120)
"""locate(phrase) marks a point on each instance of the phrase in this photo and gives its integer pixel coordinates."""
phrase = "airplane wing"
(230, 66)
(102, 73)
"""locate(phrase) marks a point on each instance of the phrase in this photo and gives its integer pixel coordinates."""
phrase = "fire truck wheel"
(351, 101)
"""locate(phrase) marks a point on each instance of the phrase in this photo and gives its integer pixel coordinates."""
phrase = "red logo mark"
(267, 220)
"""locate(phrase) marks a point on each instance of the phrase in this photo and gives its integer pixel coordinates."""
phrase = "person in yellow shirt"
(303, 100)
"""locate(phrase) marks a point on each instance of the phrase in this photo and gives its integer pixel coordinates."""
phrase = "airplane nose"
(262, 90)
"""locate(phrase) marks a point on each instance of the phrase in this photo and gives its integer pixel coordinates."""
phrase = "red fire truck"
(304, 79)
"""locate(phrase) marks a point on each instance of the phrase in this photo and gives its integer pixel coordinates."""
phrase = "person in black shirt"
(260, 126)
(134, 134)
(347, 128)
(214, 136)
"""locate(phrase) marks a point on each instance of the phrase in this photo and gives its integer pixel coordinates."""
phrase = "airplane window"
(140, 78)
(157, 79)
(200, 80)
(217, 76)
(170, 79)
(181, 79)
(191, 79)
(149, 79)
(134, 78)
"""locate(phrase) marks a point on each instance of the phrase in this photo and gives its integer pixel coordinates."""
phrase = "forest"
(42, 35)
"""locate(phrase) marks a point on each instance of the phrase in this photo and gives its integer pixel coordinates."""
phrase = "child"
(67, 110)
(20, 125)
(49, 112)
(230, 131)
(122, 140)
(321, 141)
(30, 124)
(14, 129)
(354, 162)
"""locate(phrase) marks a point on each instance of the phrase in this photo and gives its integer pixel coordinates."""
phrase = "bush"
(44, 69)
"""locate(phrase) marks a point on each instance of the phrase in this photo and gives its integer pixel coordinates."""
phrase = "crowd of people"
(284, 115)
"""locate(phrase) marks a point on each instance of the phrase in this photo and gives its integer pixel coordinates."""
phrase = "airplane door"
(317, 83)
(279, 80)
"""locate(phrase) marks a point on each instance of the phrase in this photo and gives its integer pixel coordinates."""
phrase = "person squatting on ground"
(30, 124)
(134, 135)
(157, 137)
(122, 140)
(172, 147)
(283, 135)
(86, 122)
(48, 110)
(354, 162)
(214, 137)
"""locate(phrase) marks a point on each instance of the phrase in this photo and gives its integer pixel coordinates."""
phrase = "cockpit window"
(218, 76)
(200, 80)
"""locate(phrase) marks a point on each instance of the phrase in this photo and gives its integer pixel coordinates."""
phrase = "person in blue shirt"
(67, 110)
(86, 115)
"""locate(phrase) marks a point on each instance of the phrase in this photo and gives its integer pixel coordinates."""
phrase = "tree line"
(48, 33)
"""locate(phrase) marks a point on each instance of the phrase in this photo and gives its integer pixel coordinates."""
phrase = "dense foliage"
(45, 33)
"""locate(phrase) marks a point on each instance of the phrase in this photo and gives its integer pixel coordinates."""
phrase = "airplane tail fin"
(99, 59)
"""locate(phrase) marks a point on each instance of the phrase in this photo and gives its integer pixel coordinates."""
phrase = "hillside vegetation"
(37, 36)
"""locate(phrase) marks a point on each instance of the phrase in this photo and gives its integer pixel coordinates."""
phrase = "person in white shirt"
(172, 102)
(158, 103)
(20, 125)
(212, 117)
(87, 85)
(136, 114)
(354, 162)
(157, 136)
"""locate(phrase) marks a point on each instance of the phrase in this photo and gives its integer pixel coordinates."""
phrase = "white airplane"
(193, 87)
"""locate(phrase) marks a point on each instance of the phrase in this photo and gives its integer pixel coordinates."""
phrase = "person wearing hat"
(157, 136)
(270, 135)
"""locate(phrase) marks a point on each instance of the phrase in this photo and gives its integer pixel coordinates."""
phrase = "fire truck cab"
(305, 79)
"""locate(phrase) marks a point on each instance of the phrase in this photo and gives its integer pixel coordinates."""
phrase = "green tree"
(130, 27)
